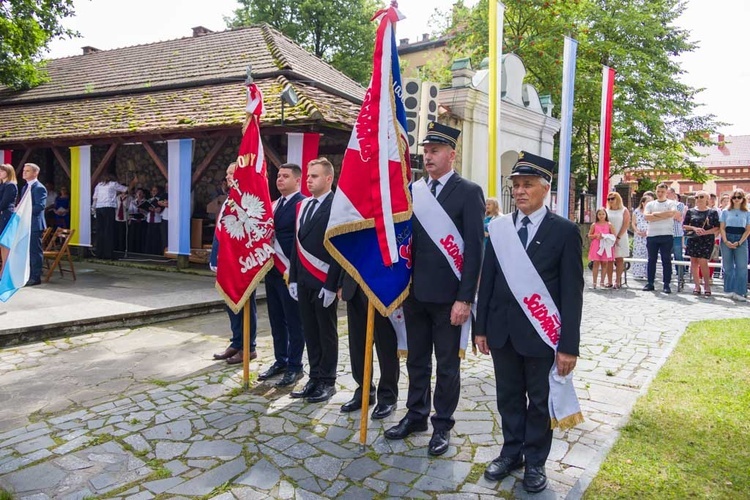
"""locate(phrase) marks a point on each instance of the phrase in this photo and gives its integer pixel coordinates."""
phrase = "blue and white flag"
(16, 237)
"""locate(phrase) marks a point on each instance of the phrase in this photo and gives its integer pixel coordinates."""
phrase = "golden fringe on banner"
(568, 422)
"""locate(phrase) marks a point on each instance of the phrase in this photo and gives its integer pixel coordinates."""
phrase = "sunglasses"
(611, 199)
(700, 196)
(738, 197)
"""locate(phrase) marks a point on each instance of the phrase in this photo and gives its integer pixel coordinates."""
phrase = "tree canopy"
(338, 31)
(655, 123)
(26, 29)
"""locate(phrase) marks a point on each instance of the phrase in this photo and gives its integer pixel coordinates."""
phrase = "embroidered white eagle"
(247, 223)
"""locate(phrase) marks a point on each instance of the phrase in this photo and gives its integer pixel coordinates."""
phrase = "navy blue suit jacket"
(284, 221)
(556, 253)
(39, 202)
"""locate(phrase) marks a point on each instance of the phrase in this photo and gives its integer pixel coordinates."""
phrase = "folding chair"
(46, 235)
(56, 249)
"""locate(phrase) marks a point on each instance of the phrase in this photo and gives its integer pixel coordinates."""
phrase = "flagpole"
(366, 383)
(246, 345)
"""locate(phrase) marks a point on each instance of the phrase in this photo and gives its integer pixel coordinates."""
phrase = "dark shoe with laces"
(308, 389)
(648, 288)
(439, 443)
(275, 369)
(290, 378)
(534, 478)
(405, 427)
(383, 410)
(355, 404)
(322, 393)
(501, 467)
(228, 353)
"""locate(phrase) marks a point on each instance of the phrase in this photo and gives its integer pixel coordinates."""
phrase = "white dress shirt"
(532, 227)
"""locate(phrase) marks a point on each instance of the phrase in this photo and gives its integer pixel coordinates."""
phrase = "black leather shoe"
(383, 410)
(290, 378)
(355, 404)
(501, 467)
(230, 351)
(667, 289)
(274, 370)
(306, 391)
(648, 288)
(33, 282)
(405, 427)
(534, 478)
(439, 443)
(322, 393)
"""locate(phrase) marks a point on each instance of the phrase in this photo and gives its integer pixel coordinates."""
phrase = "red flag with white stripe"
(605, 135)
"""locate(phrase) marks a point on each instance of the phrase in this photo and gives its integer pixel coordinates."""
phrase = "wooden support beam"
(25, 157)
(103, 164)
(272, 154)
(157, 160)
(63, 163)
(208, 159)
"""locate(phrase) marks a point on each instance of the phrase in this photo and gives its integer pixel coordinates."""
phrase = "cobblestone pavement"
(143, 414)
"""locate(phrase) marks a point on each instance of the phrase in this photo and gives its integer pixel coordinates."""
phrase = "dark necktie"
(310, 210)
(523, 233)
(433, 187)
(279, 205)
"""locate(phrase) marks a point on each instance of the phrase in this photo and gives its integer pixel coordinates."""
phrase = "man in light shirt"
(660, 214)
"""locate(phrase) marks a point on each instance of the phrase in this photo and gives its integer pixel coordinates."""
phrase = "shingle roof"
(177, 85)
(734, 151)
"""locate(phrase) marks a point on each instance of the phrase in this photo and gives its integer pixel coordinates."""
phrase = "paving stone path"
(194, 432)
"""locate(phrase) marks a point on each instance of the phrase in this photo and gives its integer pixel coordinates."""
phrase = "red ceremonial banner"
(245, 226)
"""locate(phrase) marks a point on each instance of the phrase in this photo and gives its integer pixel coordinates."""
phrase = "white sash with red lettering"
(443, 232)
(314, 265)
(280, 260)
(536, 302)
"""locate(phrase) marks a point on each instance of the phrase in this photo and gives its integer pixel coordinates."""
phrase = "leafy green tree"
(338, 31)
(26, 29)
(655, 122)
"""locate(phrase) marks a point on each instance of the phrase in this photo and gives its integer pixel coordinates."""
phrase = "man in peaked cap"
(448, 233)
(522, 359)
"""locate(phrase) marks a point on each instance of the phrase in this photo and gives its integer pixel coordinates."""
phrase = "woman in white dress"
(619, 216)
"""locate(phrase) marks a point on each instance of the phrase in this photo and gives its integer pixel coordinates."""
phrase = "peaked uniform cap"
(438, 133)
(529, 164)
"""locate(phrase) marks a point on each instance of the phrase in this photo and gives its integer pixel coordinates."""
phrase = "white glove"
(293, 290)
(213, 268)
(327, 296)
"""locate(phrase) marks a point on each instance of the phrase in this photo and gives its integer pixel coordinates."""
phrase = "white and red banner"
(369, 231)
(245, 226)
(605, 135)
(302, 149)
(570, 48)
(6, 156)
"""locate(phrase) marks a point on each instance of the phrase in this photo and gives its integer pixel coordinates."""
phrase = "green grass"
(5, 495)
(689, 436)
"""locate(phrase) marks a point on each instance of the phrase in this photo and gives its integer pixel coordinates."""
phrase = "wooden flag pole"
(368, 375)
(246, 345)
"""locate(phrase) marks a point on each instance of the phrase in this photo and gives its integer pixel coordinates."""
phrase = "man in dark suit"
(521, 357)
(283, 311)
(38, 201)
(234, 353)
(313, 278)
(385, 344)
(444, 282)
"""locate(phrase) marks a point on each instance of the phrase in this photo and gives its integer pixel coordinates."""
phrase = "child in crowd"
(602, 236)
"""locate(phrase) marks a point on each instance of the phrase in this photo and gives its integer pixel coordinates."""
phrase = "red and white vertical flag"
(245, 226)
(6, 156)
(605, 135)
(302, 149)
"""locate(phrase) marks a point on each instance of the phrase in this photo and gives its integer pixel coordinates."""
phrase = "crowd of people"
(665, 227)
(305, 285)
